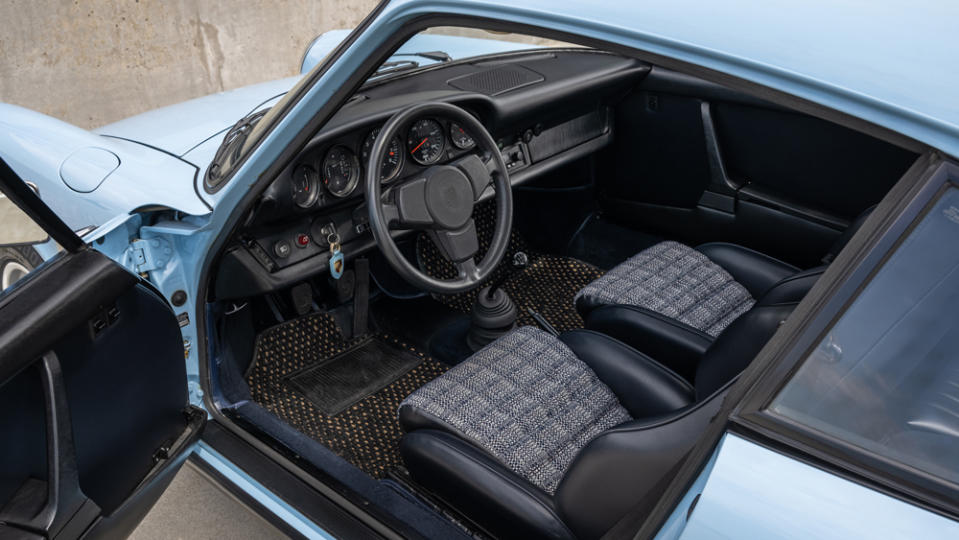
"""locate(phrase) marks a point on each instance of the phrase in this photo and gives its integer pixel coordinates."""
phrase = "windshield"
(450, 44)
(433, 46)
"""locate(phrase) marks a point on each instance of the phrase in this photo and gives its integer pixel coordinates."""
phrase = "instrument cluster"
(338, 168)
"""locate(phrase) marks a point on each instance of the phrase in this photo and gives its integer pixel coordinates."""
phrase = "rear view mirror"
(16, 227)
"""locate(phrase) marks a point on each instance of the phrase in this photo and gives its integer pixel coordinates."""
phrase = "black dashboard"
(544, 109)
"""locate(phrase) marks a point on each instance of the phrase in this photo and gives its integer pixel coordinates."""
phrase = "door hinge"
(147, 255)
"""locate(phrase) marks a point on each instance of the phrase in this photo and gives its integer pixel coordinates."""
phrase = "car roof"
(884, 55)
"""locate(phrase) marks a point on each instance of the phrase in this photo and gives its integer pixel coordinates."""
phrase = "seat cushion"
(674, 280)
(525, 399)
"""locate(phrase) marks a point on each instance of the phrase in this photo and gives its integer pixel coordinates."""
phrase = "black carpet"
(366, 433)
(606, 244)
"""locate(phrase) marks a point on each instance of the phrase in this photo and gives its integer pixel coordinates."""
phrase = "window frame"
(752, 418)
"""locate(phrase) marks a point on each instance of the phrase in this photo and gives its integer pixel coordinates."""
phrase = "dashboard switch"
(282, 249)
(302, 240)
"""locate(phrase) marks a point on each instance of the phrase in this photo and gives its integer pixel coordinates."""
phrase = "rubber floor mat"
(547, 285)
(366, 433)
(336, 384)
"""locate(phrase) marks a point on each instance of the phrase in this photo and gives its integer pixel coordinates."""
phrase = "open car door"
(94, 414)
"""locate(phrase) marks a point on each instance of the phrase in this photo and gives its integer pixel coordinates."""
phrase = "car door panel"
(806, 161)
(93, 390)
(768, 230)
(698, 162)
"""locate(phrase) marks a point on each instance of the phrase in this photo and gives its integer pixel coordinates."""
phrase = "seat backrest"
(632, 463)
(792, 289)
(739, 343)
(629, 465)
(736, 347)
(847, 235)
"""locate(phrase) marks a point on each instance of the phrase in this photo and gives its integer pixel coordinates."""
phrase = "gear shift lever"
(520, 262)
(494, 313)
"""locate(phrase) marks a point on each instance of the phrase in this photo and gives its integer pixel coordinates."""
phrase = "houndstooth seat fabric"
(527, 400)
(676, 281)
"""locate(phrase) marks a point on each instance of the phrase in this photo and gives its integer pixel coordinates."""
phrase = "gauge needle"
(413, 151)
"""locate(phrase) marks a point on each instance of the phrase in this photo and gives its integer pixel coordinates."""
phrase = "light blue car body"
(890, 64)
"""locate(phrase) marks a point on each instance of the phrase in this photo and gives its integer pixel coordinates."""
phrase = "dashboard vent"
(497, 80)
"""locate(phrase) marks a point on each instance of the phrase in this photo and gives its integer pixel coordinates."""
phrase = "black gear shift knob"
(520, 260)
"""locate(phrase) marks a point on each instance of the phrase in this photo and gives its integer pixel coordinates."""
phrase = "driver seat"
(538, 436)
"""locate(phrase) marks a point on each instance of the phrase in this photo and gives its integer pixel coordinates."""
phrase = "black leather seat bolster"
(736, 348)
(411, 419)
(793, 288)
(673, 344)
(752, 269)
(644, 387)
(469, 479)
(629, 464)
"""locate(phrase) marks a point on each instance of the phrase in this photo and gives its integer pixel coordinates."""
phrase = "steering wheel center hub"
(449, 197)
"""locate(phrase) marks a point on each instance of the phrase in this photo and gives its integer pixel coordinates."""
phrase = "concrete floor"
(197, 508)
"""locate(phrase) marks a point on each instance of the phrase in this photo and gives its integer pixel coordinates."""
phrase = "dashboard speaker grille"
(497, 80)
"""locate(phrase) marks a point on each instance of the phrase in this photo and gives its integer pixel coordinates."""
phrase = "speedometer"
(341, 171)
(392, 157)
(426, 141)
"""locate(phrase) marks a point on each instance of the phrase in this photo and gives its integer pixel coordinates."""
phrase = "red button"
(302, 240)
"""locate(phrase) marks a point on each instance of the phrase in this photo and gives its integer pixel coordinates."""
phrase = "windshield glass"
(450, 44)
(438, 45)
(886, 377)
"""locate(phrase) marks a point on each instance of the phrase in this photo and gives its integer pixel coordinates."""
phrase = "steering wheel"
(440, 202)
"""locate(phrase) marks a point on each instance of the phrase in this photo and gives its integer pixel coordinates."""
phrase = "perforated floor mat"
(366, 434)
(547, 285)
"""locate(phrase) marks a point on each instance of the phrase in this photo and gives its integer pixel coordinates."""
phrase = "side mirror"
(16, 227)
(321, 46)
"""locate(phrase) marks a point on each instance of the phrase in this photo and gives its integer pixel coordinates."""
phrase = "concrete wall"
(91, 62)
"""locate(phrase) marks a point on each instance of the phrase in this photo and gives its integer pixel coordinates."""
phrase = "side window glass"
(24, 245)
(886, 376)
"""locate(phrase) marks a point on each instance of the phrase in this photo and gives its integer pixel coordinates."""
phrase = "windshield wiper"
(439, 56)
(397, 66)
(231, 147)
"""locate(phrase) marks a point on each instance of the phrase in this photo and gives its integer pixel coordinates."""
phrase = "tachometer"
(425, 141)
(392, 158)
(306, 186)
(461, 139)
(341, 171)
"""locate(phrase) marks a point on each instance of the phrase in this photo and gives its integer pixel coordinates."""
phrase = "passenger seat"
(671, 301)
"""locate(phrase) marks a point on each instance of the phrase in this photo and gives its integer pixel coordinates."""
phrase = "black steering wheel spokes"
(442, 198)
(440, 201)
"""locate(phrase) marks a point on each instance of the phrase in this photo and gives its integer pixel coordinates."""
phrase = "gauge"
(426, 141)
(461, 139)
(306, 186)
(341, 171)
(392, 158)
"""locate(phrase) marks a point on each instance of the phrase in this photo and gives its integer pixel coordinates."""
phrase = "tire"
(16, 262)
